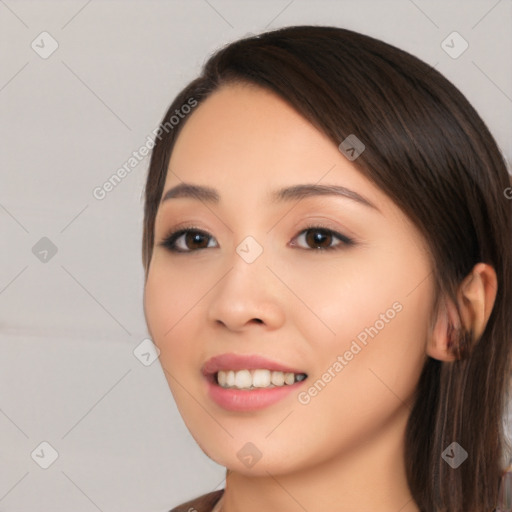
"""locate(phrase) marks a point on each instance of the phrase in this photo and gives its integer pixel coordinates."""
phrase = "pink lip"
(245, 400)
(241, 362)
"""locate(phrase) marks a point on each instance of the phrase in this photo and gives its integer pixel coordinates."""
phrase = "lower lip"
(248, 400)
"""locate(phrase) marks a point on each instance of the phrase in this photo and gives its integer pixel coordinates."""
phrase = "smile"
(248, 382)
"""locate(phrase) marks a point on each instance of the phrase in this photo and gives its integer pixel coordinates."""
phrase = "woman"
(327, 248)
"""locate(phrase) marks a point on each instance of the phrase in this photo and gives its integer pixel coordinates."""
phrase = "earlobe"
(453, 337)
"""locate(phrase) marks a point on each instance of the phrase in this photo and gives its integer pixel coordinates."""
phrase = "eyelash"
(169, 242)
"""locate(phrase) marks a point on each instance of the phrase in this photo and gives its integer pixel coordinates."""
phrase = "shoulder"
(204, 503)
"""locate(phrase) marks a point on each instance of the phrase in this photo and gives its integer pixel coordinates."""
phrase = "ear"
(476, 297)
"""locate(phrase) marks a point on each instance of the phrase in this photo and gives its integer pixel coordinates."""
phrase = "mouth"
(248, 382)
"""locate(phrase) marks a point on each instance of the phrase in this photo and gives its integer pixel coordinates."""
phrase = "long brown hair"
(431, 153)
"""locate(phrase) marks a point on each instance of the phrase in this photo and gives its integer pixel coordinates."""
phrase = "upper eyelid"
(307, 223)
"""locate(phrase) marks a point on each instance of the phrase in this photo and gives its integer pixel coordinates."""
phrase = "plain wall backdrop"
(71, 276)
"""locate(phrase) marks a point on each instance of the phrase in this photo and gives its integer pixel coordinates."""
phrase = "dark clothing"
(204, 503)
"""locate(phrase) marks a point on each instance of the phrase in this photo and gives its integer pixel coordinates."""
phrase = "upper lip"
(244, 362)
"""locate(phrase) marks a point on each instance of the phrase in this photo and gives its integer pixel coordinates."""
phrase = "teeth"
(243, 379)
(222, 379)
(289, 378)
(277, 378)
(261, 378)
(251, 379)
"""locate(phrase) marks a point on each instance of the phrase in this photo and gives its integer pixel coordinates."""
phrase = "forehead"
(246, 118)
(246, 135)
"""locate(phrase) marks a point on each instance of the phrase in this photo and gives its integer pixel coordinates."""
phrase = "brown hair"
(431, 153)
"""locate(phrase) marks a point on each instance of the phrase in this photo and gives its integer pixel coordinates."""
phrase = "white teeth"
(277, 378)
(243, 379)
(222, 379)
(260, 378)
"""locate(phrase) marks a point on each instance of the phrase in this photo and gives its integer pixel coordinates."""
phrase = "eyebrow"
(210, 195)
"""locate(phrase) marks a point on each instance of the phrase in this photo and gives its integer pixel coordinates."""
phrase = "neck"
(367, 477)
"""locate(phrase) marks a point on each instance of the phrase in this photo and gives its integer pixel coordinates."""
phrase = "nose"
(247, 295)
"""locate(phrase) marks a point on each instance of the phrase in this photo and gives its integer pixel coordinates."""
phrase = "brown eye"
(187, 240)
(195, 240)
(320, 238)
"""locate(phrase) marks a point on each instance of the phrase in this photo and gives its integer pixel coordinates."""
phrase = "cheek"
(158, 305)
(173, 303)
(362, 380)
(356, 386)
(336, 299)
(367, 289)
(374, 313)
(171, 328)
(168, 294)
(164, 306)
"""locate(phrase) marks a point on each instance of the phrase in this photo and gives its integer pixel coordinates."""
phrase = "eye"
(322, 238)
(191, 239)
(186, 240)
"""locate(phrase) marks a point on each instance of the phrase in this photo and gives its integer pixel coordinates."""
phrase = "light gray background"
(68, 327)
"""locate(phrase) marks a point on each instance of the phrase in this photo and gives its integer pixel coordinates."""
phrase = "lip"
(244, 362)
(245, 400)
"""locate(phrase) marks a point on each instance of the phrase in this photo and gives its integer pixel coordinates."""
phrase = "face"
(337, 288)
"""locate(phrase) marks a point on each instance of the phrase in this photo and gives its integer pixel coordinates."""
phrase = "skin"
(297, 305)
